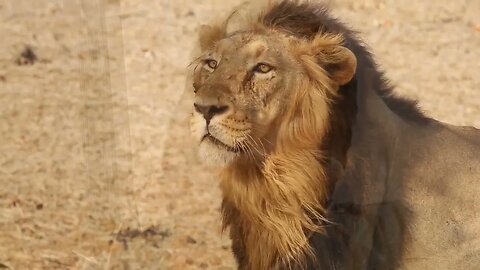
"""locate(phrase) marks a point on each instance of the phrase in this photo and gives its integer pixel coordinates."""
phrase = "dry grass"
(95, 164)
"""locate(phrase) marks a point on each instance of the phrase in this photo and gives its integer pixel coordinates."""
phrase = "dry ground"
(96, 170)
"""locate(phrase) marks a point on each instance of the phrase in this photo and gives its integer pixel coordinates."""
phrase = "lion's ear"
(339, 62)
(342, 66)
(208, 35)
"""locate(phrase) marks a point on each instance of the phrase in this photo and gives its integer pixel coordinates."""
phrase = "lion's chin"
(214, 154)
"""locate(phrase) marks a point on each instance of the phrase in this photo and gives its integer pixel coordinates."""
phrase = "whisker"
(257, 129)
(250, 151)
(195, 69)
(195, 60)
(256, 149)
(247, 149)
(269, 142)
(250, 143)
(263, 147)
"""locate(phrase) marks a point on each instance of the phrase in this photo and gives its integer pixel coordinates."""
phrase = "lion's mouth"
(217, 142)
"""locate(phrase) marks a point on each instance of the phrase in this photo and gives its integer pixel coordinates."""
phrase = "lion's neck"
(272, 209)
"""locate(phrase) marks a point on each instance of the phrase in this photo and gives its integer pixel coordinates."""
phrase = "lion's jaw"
(226, 139)
(218, 143)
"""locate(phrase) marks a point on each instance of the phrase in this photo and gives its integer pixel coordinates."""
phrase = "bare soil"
(96, 166)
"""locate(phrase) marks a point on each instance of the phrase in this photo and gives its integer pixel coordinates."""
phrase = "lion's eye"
(211, 63)
(263, 68)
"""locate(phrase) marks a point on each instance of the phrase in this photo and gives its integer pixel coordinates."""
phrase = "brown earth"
(96, 166)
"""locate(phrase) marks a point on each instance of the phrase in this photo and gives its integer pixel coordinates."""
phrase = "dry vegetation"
(96, 170)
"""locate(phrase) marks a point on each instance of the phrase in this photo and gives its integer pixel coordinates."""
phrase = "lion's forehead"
(246, 47)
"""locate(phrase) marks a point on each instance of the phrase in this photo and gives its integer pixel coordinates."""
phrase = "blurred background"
(96, 165)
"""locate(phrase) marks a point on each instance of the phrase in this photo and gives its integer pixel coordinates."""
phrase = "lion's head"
(260, 89)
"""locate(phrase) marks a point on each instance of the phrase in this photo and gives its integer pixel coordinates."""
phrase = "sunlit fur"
(274, 193)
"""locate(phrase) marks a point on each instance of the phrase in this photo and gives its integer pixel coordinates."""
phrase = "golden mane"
(272, 207)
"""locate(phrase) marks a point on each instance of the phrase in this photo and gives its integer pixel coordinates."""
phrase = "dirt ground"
(96, 165)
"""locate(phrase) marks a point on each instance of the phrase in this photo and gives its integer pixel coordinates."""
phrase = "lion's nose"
(210, 111)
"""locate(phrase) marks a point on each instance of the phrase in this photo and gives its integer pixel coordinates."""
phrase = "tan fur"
(274, 190)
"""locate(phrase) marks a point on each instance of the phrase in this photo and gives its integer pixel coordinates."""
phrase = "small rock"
(27, 57)
(191, 240)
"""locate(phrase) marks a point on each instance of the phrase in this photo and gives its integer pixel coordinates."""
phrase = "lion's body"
(407, 198)
(441, 186)
(342, 174)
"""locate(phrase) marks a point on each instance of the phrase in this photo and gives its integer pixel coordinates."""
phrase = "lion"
(322, 166)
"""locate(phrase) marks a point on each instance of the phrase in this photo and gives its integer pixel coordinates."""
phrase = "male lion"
(322, 167)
